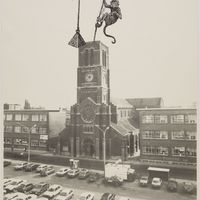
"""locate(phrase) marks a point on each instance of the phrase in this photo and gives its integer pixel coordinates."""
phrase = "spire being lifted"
(77, 40)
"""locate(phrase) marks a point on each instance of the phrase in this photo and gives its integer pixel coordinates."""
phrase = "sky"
(155, 54)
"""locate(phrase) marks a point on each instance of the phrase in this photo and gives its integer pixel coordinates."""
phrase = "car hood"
(47, 193)
(60, 198)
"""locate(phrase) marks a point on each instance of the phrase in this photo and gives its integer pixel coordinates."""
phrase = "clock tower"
(91, 115)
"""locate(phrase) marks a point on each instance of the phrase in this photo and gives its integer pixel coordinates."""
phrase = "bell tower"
(92, 113)
(93, 73)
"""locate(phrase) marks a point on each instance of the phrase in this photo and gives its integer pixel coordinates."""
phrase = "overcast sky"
(155, 54)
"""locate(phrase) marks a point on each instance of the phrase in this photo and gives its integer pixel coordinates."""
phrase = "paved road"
(131, 190)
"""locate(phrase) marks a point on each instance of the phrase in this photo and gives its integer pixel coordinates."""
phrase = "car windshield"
(52, 189)
(156, 181)
(14, 183)
(38, 186)
(144, 178)
(63, 194)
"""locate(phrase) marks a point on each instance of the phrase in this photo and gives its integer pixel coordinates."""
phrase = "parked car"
(108, 196)
(62, 171)
(24, 187)
(93, 177)
(156, 182)
(188, 187)
(86, 196)
(30, 167)
(40, 168)
(23, 196)
(14, 184)
(11, 196)
(172, 186)
(52, 191)
(144, 180)
(39, 188)
(7, 181)
(83, 174)
(47, 171)
(6, 163)
(65, 194)
(20, 166)
(73, 173)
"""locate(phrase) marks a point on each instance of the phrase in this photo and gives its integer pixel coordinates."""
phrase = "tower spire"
(77, 39)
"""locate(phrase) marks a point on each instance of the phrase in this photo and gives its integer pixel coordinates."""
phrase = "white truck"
(116, 173)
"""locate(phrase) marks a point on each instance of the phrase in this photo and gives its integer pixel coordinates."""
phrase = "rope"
(95, 32)
(78, 29)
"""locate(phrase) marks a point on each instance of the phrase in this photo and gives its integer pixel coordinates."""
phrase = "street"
(131, 189)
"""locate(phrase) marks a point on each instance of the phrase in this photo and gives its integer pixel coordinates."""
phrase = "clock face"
(87, 113)
(89, 77)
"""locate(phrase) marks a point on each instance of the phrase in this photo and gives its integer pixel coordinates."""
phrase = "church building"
(95, 117)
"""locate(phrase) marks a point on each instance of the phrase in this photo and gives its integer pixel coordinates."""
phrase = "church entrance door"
(88, 148)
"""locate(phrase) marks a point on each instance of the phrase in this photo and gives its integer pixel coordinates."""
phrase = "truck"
(116, 173)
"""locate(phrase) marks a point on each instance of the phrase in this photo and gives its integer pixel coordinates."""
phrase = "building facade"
(19, 124)
(168, 134)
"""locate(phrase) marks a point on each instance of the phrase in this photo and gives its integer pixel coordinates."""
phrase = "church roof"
(156, 102)
(121, 103)
(123, 127)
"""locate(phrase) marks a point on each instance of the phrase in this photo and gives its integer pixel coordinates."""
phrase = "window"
(161, 119)
(18, 117)
(8, 128)
(178, 135)
(178, 151)
(25, 129)
(147, 119)
(34, 143)
(34, 130)
(86, 57)
(43, 117)
(42, 143)
(7, 140)
(104, 58)
(9, 117)
(42, 130)
(155, 135)
(35, 118)
(191, 152)
(149, 150)
(190, 135)
(88, 128)
(25, 117)
(177, 119)
(91, 56)
(20, 141)
(191, 119)
(17, 129)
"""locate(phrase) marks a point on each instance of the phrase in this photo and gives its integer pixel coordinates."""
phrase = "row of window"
(22, 129)
(175, 135)
(125, 113)
(164, 151)
(26, 117)
(24, 141)
(174, 119)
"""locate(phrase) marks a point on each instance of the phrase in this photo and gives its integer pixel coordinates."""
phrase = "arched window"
(91, 56)
(86, 59)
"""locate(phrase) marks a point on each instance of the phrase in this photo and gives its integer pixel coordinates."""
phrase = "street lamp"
(104, 144)
(29, 138)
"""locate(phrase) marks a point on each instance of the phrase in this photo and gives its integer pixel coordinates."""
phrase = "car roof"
(156, 178)
(86, 193)
(55, 185)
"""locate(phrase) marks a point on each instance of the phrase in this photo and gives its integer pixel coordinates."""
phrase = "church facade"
(94, 119)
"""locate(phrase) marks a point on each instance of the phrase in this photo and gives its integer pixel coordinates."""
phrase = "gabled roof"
(121, 103)
(123, 127)
(146, 102)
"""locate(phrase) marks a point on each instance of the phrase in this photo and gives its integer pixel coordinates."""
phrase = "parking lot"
(129, 189)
